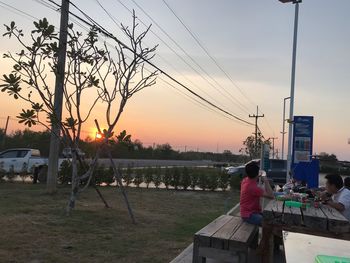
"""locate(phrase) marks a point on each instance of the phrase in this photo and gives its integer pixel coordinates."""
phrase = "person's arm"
(339, 206)
(268, 192)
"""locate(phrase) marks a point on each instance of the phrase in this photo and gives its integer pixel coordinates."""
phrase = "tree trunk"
(117, 176)
(75, 184)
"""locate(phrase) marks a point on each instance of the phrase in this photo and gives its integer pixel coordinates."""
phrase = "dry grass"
(34, 227)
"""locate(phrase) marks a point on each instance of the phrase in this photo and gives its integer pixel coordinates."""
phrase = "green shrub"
(235, 182)
(157, 177)
(2, 171)
(108, 176)
(203, 181)
(65, 172)
(148, 176)
(167, 179)
(11, 174)
(138, 177)
(223, 180)
(99, 174)
(176, 178)
(194, 176)
(185, 178)
(127, 175)
(23, 173)
(213, 181)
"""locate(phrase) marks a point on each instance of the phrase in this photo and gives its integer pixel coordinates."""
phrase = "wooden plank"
(292, 216)
(337, 223)
(235, 211)
(314, 218)
(219, 254)
(221, 237)
(203, 235)
(243, 236)
(185, 256)
(272, 210)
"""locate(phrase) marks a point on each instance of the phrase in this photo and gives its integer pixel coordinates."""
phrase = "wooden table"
(323, 221)
(310, 246)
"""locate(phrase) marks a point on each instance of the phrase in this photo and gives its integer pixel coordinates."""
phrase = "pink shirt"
(250, 197)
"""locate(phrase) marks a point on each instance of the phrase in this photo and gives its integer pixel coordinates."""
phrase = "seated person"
(251, 194)
(340, 199)
(347, 182)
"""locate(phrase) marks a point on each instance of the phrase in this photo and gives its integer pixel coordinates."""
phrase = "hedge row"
(175, 178)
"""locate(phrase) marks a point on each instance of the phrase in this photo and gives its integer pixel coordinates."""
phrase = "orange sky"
(252, 41)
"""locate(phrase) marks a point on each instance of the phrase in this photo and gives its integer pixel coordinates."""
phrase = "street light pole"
(284, 125)
(291, 108)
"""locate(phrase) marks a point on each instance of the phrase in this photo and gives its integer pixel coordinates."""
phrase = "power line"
(175, 52)
(16, 10)
(234, 101)
(186, 96)
(110, 35)
(195, 37)
(161, 57)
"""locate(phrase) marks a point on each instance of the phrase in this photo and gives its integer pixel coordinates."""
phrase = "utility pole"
(257, 116)
(277, 156)
(5, 131)
(273, 146)
(59, 84)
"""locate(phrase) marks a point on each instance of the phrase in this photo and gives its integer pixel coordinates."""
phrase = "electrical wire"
(110, 35)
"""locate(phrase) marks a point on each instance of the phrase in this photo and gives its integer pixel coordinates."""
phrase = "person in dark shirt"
(347, 182)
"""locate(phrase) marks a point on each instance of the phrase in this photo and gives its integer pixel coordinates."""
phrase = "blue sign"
(302, 139)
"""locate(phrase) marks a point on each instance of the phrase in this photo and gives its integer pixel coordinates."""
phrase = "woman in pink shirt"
(251, 194)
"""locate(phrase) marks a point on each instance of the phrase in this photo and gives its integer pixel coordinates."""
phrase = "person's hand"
(262, 174)
(323, 196)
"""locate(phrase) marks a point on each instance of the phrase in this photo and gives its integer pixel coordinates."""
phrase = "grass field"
(34, 227)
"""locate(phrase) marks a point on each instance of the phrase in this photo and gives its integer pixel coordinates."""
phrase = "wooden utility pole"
(257, 116)
(273, 146)
(59, 85)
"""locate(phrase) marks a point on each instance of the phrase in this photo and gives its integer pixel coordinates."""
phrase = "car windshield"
(9, 154)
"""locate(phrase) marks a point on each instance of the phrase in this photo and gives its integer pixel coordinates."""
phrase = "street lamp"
(284, 125)
(291, 108)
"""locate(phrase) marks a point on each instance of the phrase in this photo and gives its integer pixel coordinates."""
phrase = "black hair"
(252, 170)
(335, 179)
(347, 182)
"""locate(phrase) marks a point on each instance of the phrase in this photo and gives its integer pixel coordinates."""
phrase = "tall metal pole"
(291, 109)
(59, 84)
(284, 124)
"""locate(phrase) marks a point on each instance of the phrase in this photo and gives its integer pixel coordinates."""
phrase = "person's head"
(347, 182)
(252, 170)
(334, 183)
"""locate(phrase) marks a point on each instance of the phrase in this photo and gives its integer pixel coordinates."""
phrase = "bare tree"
(110, 76)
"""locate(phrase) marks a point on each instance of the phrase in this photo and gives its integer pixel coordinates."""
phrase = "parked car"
(240, 170)
(276, 172)
(18, 159)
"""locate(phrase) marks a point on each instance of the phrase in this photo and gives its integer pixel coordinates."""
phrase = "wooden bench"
(227, 238)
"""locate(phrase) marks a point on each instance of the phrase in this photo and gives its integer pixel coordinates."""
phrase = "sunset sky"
(252, 41)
